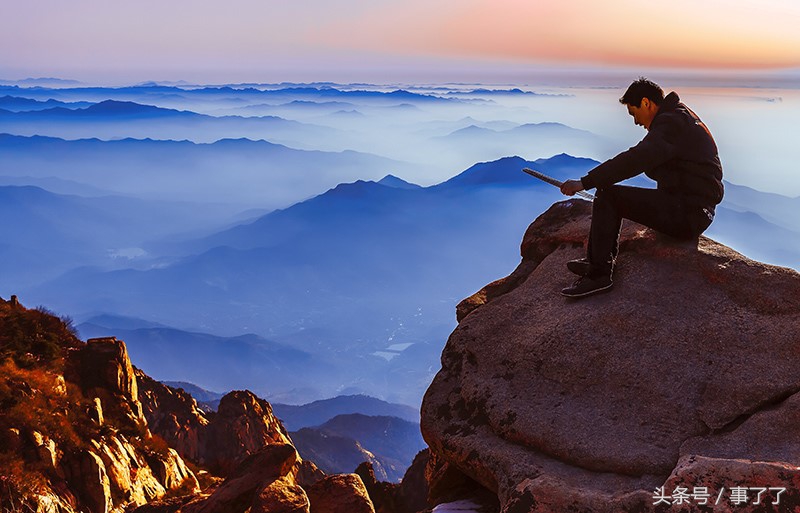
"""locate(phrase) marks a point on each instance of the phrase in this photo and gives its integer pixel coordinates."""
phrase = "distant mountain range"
(114, 119)
(216, 363)
(364, 277)
(16, 104)
(236, 171)
(342, 443)
(295, 417)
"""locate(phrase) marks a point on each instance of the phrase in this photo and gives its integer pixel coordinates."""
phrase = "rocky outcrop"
(342, 493)
(243, 425)
(174, 415)
(683, 377)
(408, 496)
(104, 371)
(73, 437)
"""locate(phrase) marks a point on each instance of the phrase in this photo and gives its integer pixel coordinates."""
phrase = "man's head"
(643, 98)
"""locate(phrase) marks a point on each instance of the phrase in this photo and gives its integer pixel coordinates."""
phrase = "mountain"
(82, 430)
(317, 274)
(388, 443)
(363, 277)
(681, 377)
(398, 183)
(16, 104)
(221, 363)
(114, 119)
(756, 237)
(242, 172)
(481, 143)
(54, 233)
(319, 412)
(775, 208)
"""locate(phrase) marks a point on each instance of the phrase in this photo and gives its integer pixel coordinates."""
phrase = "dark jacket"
(678, 152)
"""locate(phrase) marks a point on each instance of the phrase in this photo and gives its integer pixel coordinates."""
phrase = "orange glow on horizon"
(709, 34)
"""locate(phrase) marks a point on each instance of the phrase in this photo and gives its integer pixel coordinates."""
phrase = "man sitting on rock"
(679, 153)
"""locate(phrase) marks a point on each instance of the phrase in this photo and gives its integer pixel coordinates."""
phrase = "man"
(679, 153)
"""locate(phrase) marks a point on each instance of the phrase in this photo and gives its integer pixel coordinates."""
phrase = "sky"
(124, 41)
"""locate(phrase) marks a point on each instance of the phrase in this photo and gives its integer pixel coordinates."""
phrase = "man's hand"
(570, 187)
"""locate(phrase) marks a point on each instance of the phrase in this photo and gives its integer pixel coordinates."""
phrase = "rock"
(109, 367)
(243, 425)
(174, 415)
(307, 473)
(86, 400)
(87, 475)
(241, 489)
(341, 493)
(384, 496)
(591, 405)
(12, 440)
(95, 411)
(103, 369)
(48, 454)
(171, 471)
(414, 486)
(283, 495)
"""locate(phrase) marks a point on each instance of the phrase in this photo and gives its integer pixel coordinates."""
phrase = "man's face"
(643, 114)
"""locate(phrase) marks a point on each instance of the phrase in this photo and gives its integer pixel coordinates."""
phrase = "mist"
(188, 216)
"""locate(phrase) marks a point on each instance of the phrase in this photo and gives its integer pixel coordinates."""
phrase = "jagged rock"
(307, 473)
(241, 489)
(64, 453)
(48, 454)
(591, 405)
(174, 415)
(171, 471)
(283, 495)
(87, 475)
(414, 486)
(243, 425)
(104, 370)
(384, 496)
(340, 493)
(95, 411)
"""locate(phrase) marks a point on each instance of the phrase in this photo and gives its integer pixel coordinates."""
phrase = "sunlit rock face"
(682, 376)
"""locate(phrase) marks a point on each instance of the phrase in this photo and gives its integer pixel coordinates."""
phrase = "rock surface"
(683, 374)
(73, 437)
(341, 493)
(242, 425)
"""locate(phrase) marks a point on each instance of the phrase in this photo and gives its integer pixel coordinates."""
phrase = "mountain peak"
(508, 171)
(121, 108)
(397, 183)
(683, 375)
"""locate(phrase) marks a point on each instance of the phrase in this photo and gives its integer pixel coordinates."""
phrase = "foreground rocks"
(82, 431)
(682, 377)
(72, 434)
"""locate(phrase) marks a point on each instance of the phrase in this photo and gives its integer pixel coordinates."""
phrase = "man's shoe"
(586, 286)
(581, 267)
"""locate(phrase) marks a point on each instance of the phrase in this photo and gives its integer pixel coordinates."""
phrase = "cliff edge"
(678, 386)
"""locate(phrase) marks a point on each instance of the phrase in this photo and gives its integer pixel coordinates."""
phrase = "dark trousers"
(659, 210)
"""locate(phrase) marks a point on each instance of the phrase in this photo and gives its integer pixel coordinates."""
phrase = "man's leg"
(650, 207)
(653, 208)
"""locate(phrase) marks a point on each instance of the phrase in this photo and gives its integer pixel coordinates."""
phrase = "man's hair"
(642, 88)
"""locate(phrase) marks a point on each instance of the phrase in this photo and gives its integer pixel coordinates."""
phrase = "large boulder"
(683, 375)
(340, 493)
(104, 371)
(243, 425)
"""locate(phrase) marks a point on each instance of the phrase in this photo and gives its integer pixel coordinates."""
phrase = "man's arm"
(650, 152)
